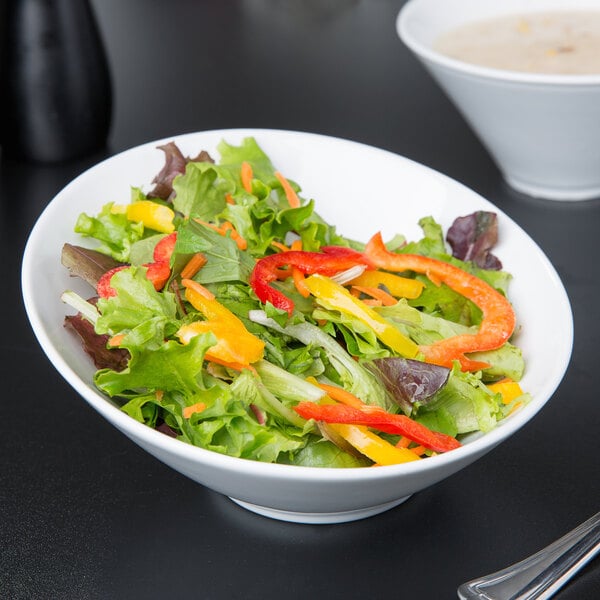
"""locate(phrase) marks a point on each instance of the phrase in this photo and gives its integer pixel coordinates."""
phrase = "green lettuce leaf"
(146, 316)
(225, 261)
(463, 405)
(115, 232)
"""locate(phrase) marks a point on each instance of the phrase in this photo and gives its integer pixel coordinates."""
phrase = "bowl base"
(324, 518)
(564, 195)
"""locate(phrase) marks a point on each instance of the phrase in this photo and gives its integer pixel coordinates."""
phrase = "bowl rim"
(427, 53)
(479, 445)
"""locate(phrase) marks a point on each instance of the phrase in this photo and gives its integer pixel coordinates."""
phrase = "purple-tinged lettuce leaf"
(408, 381)
(87, 264)
(175, 163)
(96, 345)
(473, 236)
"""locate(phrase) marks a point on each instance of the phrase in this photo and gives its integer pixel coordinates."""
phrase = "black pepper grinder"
(56, 88)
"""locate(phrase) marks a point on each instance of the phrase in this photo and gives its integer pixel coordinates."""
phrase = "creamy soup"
(566, 42)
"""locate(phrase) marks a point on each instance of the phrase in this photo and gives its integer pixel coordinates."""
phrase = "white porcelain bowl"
(543, 131)
(387, 193)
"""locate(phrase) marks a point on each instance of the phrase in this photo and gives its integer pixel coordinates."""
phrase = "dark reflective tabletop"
(86, 514)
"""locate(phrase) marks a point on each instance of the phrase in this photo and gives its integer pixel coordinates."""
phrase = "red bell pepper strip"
(377, 418)
(267, 269)
(158, 272)
(103, 288)
(498, 321)
(164, 248)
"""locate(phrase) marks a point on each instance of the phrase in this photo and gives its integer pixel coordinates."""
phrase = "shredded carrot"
(290, 194)
(377, 293)
(280, 246)
(403, 442)
(211, 225)
(341, 395)
(239, 240)
(418, 450)
(193, 265)
(355, 292)
(223, 229)
(299, 282)
(246, 176)
(372, 302)
(116, 340)
(229, 199)
(198, 288)
(296, 273)
(159, 395)
(188, 411)
(283, 273)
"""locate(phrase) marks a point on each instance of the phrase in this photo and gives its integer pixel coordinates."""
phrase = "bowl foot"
(318, 518)
(564, 195)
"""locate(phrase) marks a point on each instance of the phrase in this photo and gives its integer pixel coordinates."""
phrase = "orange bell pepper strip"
(235, 344)
(498, 322)
(377, 418)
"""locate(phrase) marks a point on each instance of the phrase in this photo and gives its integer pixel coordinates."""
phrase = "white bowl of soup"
(525, 75)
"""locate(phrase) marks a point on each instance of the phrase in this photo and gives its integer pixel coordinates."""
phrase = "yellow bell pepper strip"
(498, 322)
(359, 437)
(151, 214)
(400, 287)
(340, 298)
(372, 446)
(268, 269)
(507, 388)
(235, 344)
(377, 418)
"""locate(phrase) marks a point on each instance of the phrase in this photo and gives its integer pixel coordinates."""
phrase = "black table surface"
(85, 513)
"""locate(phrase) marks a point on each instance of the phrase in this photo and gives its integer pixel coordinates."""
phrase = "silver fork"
(541, 575)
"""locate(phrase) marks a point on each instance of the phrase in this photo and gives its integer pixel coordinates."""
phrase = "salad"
(225, 312)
